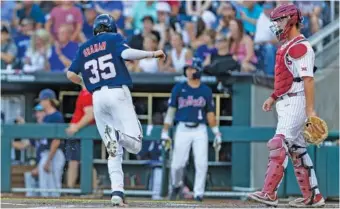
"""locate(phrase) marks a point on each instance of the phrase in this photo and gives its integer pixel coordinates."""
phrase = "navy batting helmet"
(104, 23)
(195, 63)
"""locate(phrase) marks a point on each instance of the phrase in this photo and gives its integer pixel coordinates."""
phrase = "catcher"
(294, 97)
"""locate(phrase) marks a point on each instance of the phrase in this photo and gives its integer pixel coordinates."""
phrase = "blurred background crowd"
(44, 35)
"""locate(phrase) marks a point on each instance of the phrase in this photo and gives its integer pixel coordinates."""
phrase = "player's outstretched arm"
(135, 54)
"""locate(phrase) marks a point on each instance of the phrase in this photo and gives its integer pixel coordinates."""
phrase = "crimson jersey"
(84, 100)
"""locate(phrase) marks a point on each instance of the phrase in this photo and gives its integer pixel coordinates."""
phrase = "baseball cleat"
(112, 145)
(175, 192)
(118, 199)
(265, 198)
(198, 199)
(317, 202)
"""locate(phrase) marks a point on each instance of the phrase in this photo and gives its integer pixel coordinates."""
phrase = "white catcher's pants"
(185, 138)
(114, 108)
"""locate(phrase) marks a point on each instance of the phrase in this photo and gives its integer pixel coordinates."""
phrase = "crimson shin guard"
(277, 163)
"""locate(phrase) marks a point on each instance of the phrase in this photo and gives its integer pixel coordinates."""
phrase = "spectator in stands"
(8, 49)
(47, 6)
(29, 9)
(51, 164)
(175, 7)
(90, 16)
(23, 38)
(7, 12)
(36, 55)
(209, 19)
(227, 12)
(208, 48)
(241, 46)
(136, 42)
(142, 9)
(265, 40)
(64, 50)
(31, 177)
(197, 35)
(196, 8)
(150, 65)
(65, 13)
(82, 117)
(178, 55)
(114, 8)
(249, 14)
(163, 15)
(312, 14)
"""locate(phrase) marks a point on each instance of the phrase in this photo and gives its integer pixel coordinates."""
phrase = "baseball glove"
(315, 130)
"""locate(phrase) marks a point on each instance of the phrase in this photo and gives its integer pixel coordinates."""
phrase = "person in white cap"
(163, 16)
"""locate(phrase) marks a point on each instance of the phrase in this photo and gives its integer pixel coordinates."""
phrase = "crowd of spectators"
(44, 35)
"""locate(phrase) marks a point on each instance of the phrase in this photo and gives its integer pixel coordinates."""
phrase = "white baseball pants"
(113, 107)
(185, 138)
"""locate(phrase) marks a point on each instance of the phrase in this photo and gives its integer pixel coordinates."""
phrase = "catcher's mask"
(196, 64)
(283, 18)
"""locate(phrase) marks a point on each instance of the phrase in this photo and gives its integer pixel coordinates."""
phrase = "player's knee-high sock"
(305, 174)
(116, 174)
(130, 143)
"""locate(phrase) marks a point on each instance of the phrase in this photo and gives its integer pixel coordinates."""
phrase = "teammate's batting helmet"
(104, 23)
(195, 63)
(284, 17)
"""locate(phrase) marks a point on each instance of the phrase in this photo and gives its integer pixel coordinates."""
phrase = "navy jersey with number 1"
(192, 104)
(100, 63)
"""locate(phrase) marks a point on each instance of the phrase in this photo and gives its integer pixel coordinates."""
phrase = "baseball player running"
(100, 60)
(294, 97)
(192, 105)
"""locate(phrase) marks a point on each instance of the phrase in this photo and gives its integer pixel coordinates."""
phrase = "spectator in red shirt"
(65, 13)
(82, 116)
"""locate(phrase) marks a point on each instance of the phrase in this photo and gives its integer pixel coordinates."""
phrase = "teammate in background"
(82, 116)
(52, 159)
(100, 60)
(294, 97)
(192, 105)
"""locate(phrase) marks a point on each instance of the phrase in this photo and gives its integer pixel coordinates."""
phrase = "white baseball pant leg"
(31, 183)
(114, 108)
(52, 179)
(291, 120)
(200, 150)
(184, 139)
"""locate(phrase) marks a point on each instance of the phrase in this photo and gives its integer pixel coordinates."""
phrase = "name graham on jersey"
(190, 101)
(94, 48)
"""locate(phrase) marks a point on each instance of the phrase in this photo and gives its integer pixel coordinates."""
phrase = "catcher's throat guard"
(315, 130)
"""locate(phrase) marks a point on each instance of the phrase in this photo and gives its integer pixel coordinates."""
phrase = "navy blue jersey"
(192, 104)
(100, 63)
(45, 144)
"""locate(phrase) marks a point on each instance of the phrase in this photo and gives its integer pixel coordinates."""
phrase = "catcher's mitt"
(315, 130)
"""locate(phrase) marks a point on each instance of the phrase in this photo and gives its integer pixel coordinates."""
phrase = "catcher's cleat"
(265, 198)
(176, 191)
(118, 199)
(317, 202)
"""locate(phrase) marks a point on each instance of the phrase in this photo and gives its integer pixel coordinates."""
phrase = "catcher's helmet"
(289, 11)
(195, 63)
(104, 23)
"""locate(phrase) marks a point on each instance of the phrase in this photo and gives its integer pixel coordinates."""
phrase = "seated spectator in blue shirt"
(22, 39)
(114, 8)
(63, 51)
(226, 12)
(31, 10)
(208, 48)
(250, 12)
(90, 15)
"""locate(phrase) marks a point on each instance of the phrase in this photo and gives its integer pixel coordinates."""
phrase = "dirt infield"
(134, 203)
